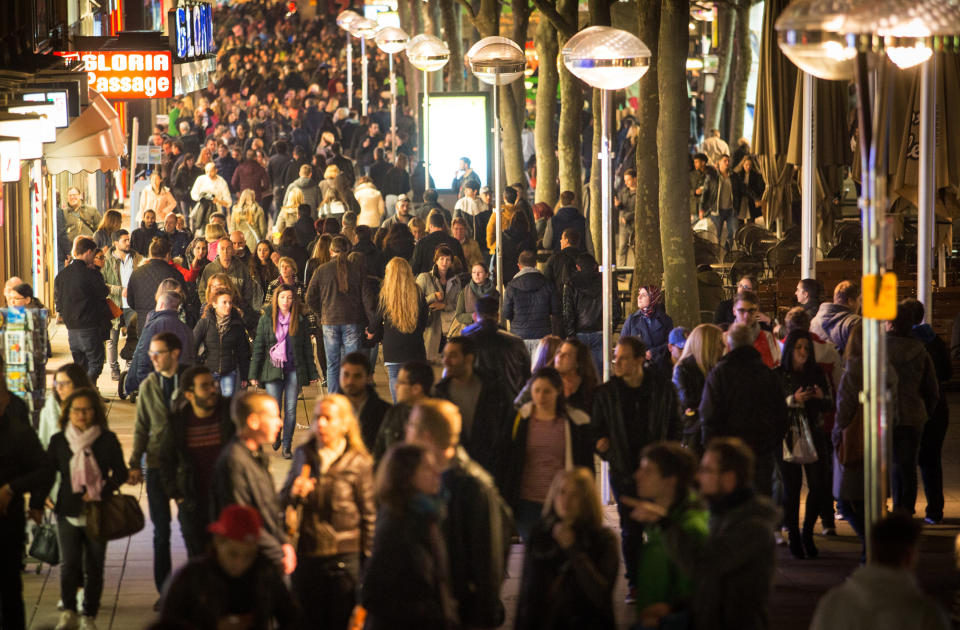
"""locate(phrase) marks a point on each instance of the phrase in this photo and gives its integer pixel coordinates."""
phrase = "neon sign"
(192, 30)
(130, 75)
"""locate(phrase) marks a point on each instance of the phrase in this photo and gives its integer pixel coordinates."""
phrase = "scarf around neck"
(85, 473)
(278, 353)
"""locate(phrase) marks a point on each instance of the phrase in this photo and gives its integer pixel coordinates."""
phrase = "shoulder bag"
(116, 515)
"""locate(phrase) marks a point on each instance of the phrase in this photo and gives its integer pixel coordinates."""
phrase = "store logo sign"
(192, 30)
(130, 75)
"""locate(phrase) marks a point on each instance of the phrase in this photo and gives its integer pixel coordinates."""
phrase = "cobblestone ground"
(129, 592)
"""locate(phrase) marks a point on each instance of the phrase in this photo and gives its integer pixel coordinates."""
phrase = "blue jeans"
(86, 346)
(728, 218)
(594, 341)
(339, 341)
(393, 370)
(228, 383)
(285, 392)
(158, 504)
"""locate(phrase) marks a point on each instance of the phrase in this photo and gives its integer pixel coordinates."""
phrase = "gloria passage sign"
(128, 74)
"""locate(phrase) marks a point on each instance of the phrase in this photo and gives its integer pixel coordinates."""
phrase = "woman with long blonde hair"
(337, 512)
(702, 350)
(248, 217)
(212, 233)
(402, 317)
(289, 212)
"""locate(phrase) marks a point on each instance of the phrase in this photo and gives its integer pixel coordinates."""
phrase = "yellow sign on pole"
(880, 296)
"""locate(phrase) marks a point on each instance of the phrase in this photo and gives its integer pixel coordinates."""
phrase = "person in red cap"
(233, 586)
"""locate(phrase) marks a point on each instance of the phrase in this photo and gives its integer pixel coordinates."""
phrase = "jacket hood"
(904, 349)
(528, 279)
(831, 315)
(568, 210)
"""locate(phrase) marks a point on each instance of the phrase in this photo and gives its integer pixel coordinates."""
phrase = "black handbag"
(45, 546)
(116, 515)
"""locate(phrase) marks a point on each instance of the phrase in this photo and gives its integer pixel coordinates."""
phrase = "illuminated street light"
(392, 40)
(429, 54)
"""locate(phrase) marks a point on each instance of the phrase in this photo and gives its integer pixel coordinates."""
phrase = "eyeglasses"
(156, 353)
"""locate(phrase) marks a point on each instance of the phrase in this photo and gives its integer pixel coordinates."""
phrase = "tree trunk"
(521, 24)
(744, 55)
(600, 16)
(431, 25)
(715, 100)
(545, 41)
(454, 37)
(512, 146)
(676, 238)
(571, 104)
(648, 257)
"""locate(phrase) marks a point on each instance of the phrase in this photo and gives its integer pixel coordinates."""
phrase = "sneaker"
(631, 597)
(68, 621)
(829, 531)
(929, 520)
(87, 623)
(115, 374)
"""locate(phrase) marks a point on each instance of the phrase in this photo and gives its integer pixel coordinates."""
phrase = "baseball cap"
(237, 522)
(678, 337)
(403, 197)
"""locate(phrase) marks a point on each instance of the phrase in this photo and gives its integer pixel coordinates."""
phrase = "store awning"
(92, 142)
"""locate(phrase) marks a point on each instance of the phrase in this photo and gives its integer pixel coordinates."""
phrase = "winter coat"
(142, 287)
(918, 390)
(141, 238)
(834, 322)
(652, 331)
(565, 218)
(108, 454)
(311, 194)
(339, 516)
(424, 251)
(223, 352)
(262, 368)
(400, 347)
(239, 272)
(151, 429)
(254, 229)
(249, 174)
(324, 298)
(583, 304)
(689, 381)
(371, 417)
(608, 421)
(429, 284)
(567, 588)
(742, 398)
(878, 597)
(529, 304)
(491, 419)
(113, 279)
(80, 296)
(175, 465)
(561, 266)
(467, 300)
(371, 203)
(733, 568)
(813, 408)
(158, 322)
(511, 455)
(22, 467)
(499, 352)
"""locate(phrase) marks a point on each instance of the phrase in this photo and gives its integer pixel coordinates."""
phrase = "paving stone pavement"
(129, 592)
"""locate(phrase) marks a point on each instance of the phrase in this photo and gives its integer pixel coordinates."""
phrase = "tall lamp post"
(428, 53)
(609, 59)
(344, 20)
(364, 29)
(842, 40)
(497, 61)
(391, 40)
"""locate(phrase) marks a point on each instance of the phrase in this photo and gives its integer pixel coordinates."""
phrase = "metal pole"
(363, 67)
(606, 244)
(808, 223)
(496, 191)
(426, 132)
(134, 133)
(874, 394)
(349, 71)
(926, 217)
(393, 108)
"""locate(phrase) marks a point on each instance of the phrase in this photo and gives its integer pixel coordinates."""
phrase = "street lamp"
(364, 29)
(390, 40)
(344, 20)
(428, 53)
(497, 61)
(609, 59)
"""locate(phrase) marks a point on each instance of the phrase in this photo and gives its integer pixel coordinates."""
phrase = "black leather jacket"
(499, 352)
(583, 304)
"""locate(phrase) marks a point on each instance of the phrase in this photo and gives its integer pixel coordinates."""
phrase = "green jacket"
(263, 370)
(151, 430)
(111, 276)
(659, 578)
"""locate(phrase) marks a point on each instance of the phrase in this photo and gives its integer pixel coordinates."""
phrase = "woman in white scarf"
(90, 461)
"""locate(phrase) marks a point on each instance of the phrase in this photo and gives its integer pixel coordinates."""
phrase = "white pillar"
(808, 173)
(926, 217)
(498, 194)
(363, 68)
(349, 71)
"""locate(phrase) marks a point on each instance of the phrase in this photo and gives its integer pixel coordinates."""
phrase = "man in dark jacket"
(531, 303)
(356, 383)
(145, 279)
(563, 263)
(568, 217)
(414, 383)
(625, 202)
(436, 236)
(179, 239)
(80, 295)
(485, 408)
(242, 474)
(143, 235)
(276, 171)
(733, 568)
(430, 203)
(743, 398)
(498, 352)
(379, 168)
(304, 227)
(478, 525)
(249, 174)
(917, 395)
(834, 321)
(636, 407)
(308, 185)
(582, 304)
(22, 470)
(164, 319)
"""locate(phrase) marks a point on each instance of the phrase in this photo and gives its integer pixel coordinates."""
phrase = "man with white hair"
(8, 287)
(211, 186)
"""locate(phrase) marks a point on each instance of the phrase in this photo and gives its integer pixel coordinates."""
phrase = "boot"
(808, 546)
(276, 444)
(796, 545)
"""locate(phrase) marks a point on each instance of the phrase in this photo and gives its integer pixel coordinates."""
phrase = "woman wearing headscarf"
(651, 324)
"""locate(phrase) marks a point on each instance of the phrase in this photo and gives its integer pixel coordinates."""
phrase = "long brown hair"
(589, 511)
(400, 296)
(341, 246)
(294, 308)
(99, 414)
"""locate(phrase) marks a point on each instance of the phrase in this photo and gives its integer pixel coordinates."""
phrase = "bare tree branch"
(550, 12)
(471, 14)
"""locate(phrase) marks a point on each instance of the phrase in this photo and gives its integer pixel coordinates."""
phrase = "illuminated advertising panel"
(460, 126)
(191, 30)
(125, 74)
(58, 98)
